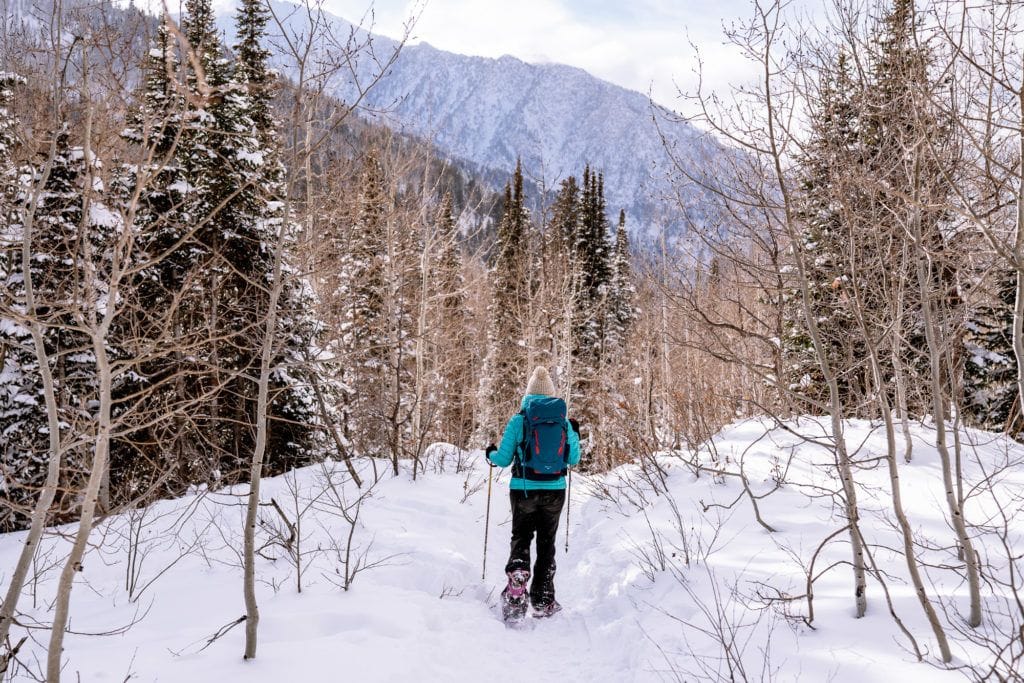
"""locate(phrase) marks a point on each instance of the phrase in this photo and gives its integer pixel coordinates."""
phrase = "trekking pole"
(487, 518)
(568, 507)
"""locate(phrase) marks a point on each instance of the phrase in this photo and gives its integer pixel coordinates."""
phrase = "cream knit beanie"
(540, 383)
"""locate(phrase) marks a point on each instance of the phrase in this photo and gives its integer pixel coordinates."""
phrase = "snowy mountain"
(556, 118)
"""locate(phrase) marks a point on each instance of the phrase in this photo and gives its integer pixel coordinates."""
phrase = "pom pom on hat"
(540, 383)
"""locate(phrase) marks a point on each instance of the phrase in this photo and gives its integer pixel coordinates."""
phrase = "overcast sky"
(640, 44)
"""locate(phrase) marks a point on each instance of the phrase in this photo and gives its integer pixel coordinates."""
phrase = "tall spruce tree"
(291, 413)
(252, 71)
(592, 258)
(831, 154)
(208, 216)
(504, 371)
(363, 293)
(69, 269)
(621, 293)
(22, 423)
(908, 152)
(237, 177)
(592, 254)
(158, 458)
(454, 358)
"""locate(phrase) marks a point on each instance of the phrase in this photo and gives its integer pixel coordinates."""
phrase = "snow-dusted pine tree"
(829, 154)
(453, 364)
(207, 216)
(292, 412)
(163, 294)
(69, 266)
(23, 460)
(592, 255)
(990, 370)
(362, 293)
(621, 293)
(504, 373)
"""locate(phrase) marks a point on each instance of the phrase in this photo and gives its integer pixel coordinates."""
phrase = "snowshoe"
(515, 599)
(543, 611)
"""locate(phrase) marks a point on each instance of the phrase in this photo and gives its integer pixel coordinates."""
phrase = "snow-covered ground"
(634, 609)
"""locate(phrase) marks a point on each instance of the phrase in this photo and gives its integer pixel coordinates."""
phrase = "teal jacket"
(507, 451)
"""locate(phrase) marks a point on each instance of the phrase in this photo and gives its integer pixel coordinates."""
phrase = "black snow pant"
(536, 511)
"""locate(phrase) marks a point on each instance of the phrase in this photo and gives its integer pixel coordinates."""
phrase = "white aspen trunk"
(310, 224)
(939, 415)
(843, 463)
(899, 376)
(421, 349)
(98, 331)
(49, 492)
(568, 311)
(1018, 260)
(252, 612)
(74, 561)
(666, 381)
(901, 518)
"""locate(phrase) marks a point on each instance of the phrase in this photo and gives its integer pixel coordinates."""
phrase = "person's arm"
(507, 450)
(574, 446)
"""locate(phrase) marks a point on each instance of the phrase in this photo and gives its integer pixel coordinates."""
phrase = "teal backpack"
(543, 452)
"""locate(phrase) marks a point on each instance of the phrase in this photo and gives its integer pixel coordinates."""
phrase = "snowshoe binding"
(546, 610)
(515, 599)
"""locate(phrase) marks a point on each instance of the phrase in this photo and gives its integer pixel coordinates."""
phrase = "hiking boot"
(546, 610)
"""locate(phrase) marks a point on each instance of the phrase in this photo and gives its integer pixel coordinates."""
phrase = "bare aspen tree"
(761, 125)
(252, 614)
(302, 45)
(97, 307)
(41, 510)
(866, 328)
(987, 107)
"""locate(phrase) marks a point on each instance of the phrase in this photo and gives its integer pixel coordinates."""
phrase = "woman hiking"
(541, 445)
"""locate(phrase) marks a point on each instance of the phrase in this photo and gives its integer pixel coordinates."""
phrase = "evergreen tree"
(621, 293)
(9, 173)
(237, 180)
(565, 223)
(592, 260)
(363, 292)
(153, 197)
(454, 355)
(505, 370)
(23, 457)
(562, 280)
(68, 245)
(592, 257)
(252, 71)
(990, 371)
(908, 152)
(292, 414)
(208, 218)
(830, 156)
(867, 177)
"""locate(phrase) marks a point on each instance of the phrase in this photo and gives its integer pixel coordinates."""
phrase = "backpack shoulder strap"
(524, 435)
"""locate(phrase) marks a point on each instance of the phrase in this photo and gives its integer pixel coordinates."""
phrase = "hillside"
(557, 118)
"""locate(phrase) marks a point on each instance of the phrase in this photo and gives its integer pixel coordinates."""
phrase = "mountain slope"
(556, 118)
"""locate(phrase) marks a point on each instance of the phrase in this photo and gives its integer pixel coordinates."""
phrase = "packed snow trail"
(634, 610)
